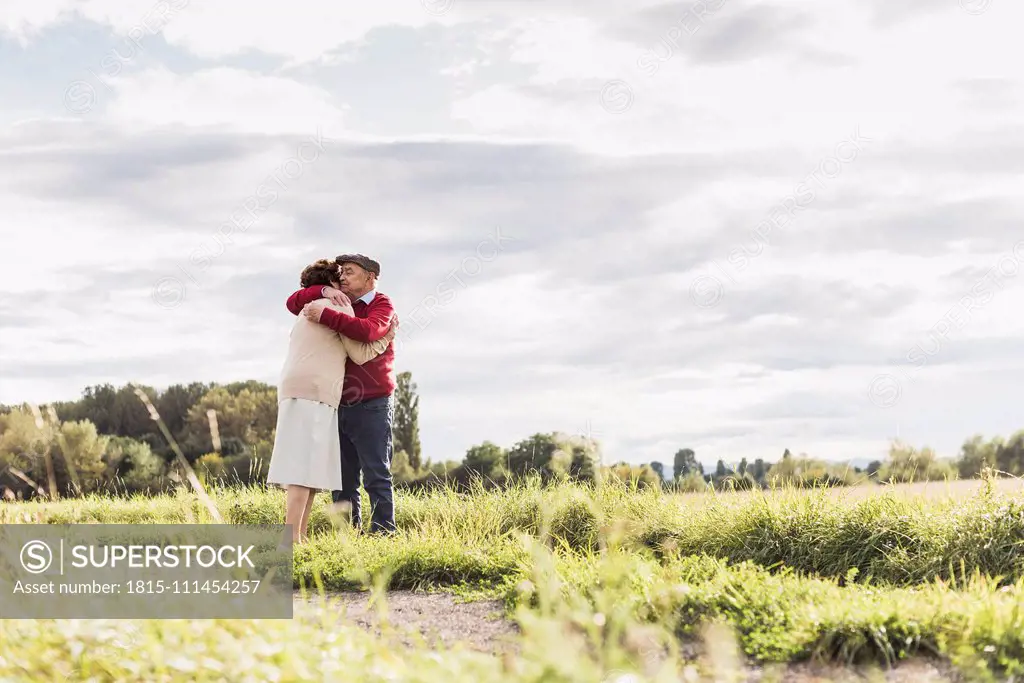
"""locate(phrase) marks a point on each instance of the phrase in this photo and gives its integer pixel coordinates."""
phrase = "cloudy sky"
(729, 225)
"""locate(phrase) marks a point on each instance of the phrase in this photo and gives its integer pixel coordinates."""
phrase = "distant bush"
(642, 476)
(744, 482)
(134, 466)
(907, 464)
(803, 471)
(210, 466)
(693, 482)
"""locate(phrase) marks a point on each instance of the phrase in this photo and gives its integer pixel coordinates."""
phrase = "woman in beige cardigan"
(307, 448)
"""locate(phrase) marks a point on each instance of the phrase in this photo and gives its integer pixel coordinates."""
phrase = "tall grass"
(886, 538)
(626, 580)
(784, 616)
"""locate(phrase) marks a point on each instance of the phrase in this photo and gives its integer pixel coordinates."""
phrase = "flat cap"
(365, 262)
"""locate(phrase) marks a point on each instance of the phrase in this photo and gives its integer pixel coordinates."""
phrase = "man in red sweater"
(367, 407)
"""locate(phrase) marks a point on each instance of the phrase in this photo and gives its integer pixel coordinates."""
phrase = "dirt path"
(437, 617)
(912, 671)
(441, 620)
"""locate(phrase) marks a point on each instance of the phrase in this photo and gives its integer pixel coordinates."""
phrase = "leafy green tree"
(135, 465)
(484, 458)
(251, 385)
(25, 449)
(684, 463)
(233, 445)
(249, 416)
(555, 456)
(1010, 456)
(174, 403)
(114, 411)
(721, 470)
(406, 422)
(131, 418)
(585, 456)
(908, 464)
(249, 468)
(659, 469)
(759, 470)
(20, 437)
(210, 467)
(96, 405)
(532, 455)
(79, 455)
(585, 461)
(441, 473)
(976, 454)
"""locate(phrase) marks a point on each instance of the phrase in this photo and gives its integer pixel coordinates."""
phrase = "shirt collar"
(368, 297)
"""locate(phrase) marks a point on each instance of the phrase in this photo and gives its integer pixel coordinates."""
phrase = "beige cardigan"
(314, 368)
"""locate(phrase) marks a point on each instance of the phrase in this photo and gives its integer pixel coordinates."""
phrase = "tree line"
(109, 441)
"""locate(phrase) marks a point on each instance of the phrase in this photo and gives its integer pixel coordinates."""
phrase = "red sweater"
(375, 378)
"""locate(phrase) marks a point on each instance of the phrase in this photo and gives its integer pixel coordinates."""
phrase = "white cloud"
(890, 89)
(25, 19)
(588, 317)
(232, 98)
(302, 30)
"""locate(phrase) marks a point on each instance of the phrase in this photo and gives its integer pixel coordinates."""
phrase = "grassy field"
(607, 584)
(934, 490)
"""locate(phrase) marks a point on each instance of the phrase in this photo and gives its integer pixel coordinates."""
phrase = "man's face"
(355, 280)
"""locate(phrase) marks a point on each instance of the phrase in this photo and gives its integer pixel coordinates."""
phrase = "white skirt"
(307, 448)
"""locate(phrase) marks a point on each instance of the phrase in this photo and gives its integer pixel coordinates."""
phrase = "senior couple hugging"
(336, 395)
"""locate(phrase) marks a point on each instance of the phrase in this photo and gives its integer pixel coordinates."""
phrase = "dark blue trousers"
(366, 448)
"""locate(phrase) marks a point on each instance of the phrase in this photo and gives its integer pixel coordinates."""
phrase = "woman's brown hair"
(323, 272)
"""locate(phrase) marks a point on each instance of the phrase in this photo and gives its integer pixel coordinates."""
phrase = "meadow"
(600, 583)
